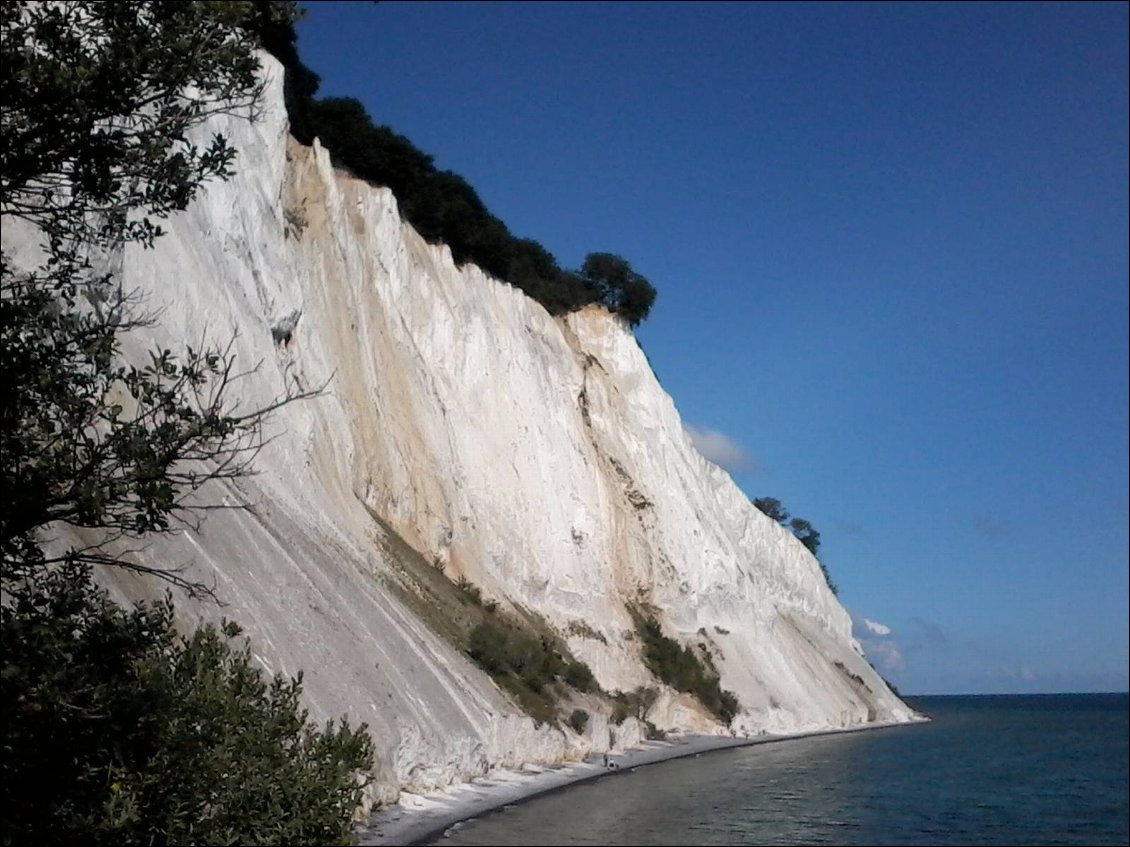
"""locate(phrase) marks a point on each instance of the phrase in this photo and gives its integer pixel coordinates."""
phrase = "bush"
(534, 660)
(828, 578)
(621, 711)
(679, 667)
(471, 592)
(634, 704)
(118, 731)
(488, 646)
(806, 533)
(579, 720)
(579, 676)
(772, 507)
(525, 663)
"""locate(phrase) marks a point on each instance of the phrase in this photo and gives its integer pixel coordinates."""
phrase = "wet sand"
(420, 818)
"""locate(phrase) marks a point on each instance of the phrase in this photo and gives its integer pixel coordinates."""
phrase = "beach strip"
(422, 818)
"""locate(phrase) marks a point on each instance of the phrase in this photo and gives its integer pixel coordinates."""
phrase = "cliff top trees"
(804, 531)
(441, 205)
(116, 730)
(618, 287)
(772, 507)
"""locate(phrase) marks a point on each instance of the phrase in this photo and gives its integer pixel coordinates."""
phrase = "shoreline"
(420, 818)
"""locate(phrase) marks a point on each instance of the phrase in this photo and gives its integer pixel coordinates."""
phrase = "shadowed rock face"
(461, 427)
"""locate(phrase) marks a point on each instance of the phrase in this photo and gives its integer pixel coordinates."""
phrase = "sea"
(1012, 769)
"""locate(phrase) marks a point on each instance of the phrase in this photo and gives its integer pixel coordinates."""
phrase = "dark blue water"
(1047, 769)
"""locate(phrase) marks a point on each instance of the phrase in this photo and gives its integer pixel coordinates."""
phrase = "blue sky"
(890, 244)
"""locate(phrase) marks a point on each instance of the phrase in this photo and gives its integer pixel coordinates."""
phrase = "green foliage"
(277, 36)
(804, 531)
(118, 731)
(828, 578)
(679, 667)
(115, 729)
(578, 675)
(344, 127)
(503, 650)
(634, 704)
(95, 154)
(773, 508)
(441, 205)
(579, 720)
(96, 116)
(471, 592)
(521, 663)
(621, 711)
(526, 664)
(807, 535)
(618, 287)
(489, 646)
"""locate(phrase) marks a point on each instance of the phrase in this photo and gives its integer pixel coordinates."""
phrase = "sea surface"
(1041, 769)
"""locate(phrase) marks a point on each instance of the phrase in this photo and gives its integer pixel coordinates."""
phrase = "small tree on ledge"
(618, 287)
(804, 531)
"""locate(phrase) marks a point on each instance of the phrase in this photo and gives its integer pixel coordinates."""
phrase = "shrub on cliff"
(522, 659)
(771, 507)
(579, 676)
(682, 669)
(804, 531)
(634, 704)
(579, 720)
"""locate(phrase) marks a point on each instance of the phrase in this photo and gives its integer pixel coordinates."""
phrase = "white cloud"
(877, 628)
(875, 639)
(719, 448)
(886, 653)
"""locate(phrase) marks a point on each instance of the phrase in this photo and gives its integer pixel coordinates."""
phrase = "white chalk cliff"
(536, 456)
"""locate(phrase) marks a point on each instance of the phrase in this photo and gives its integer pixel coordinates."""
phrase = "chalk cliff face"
(537, 457)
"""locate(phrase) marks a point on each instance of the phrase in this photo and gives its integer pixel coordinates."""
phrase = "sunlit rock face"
(536, 456)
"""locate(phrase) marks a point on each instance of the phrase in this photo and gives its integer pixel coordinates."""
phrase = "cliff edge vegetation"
(441, 205)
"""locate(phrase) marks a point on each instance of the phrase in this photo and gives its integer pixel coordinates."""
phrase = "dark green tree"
(804, 531)
(773, 508)
(99, 101)
(578, 720)
(117, 730)
(114, 729)
(618, 287)
(807, 534)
